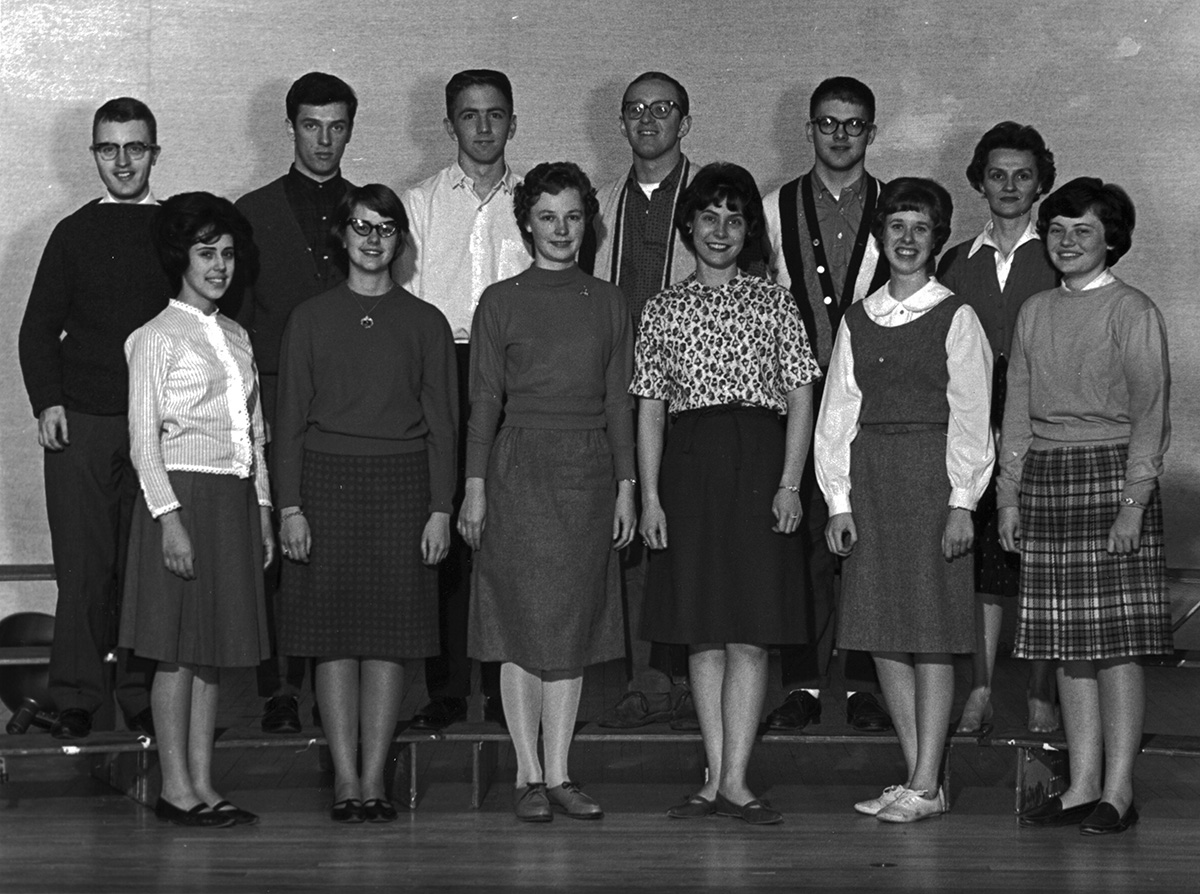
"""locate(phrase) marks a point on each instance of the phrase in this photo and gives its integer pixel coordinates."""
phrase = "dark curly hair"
(552, 177)
(717, 183)
(1111, 205)
(189, 218)
(1020, 137)
(916, 194)
(319, 89)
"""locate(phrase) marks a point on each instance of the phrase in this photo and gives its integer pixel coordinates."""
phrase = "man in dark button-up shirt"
(290, 217)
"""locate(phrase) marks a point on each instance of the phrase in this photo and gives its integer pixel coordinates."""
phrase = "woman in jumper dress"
(202, 535)
(725, 352)
(549, 498)
(995, 273)
(903, 452)
(364, 456)
(1085, 430)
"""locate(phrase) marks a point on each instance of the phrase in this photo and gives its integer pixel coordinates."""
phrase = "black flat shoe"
(379, 810)
(692, 807)
(240, 817)
(1104, 820)
(440, 713)
(756, 812)
(200, 816)
(349, 810)
(1052, 813)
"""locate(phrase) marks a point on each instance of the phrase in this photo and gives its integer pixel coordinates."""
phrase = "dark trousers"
(90, 489)
(449, 673)
(279, 674)
(809, 666)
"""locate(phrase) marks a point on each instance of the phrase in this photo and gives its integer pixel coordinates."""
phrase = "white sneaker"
(873, 806)
(912, 806)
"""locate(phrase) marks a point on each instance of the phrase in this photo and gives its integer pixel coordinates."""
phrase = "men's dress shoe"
(1052, 813)
(692, 807)
(912, 806)
(72, 723)
(573, 802)
(348, 810)
(379, 810)
(756, 812)
(281, 714)
(865, 714)
(532, 805)
(872, 806)
(200, 816)
(141, 722)
(683, 715)
(240, 817)
(1105, 820)
(493, 711)
(634, 710)
(440, 713)
(797, 711)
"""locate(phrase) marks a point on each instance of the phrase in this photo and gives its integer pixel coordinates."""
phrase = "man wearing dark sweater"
(290, 217)
(99, 279)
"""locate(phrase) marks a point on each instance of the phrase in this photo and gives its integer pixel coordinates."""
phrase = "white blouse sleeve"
(837, 425)
(148, 355)
(970, 452)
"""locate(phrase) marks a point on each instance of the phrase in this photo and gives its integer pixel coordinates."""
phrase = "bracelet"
(1130, 501)
(794, 488)
(632, 481)
(290, 512)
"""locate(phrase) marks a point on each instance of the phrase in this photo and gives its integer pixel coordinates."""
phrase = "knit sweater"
(99, 279)
(1088, 367)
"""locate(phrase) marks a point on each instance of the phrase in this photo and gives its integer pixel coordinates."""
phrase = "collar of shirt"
(108, 199)
(194, 311)
(985, 238)
(852, 193)
(1102, 279)
(885, 310)
(460, 180)
(313, 187)
(667, 183)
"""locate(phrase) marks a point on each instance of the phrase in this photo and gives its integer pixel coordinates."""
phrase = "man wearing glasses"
(819, 226)
(635, 245)
(290, 217)
(463, 237)
(99, 279)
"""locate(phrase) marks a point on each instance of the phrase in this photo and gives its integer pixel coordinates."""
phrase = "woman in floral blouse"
(725, 354)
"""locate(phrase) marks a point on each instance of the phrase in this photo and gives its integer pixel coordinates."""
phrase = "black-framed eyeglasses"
(385, 230)
(136, 150)
(660, 108)
(827, 124)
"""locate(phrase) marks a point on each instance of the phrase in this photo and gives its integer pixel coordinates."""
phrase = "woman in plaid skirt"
(1085, 430)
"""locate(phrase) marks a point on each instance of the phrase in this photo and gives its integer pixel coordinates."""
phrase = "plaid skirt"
(1077, 601)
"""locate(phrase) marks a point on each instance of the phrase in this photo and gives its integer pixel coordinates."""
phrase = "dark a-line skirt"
(1077, 601)
(725, 576)
(546, 588)
(364, 592)
(899, 594)
(220, 618)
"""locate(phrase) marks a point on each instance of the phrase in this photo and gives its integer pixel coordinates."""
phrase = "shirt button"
(828, 300)
(820, 269)
(839, 235)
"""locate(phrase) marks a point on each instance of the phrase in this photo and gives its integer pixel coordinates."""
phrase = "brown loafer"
(573, 802)
(532, 805)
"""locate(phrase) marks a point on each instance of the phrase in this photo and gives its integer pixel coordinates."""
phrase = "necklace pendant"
(584, 292)
(366, 322)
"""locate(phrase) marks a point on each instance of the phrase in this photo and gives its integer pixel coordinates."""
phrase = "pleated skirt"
(219, 619)
(546, 585)
(365, 591)
(1078, 601)
(899, 594)
(725, 576)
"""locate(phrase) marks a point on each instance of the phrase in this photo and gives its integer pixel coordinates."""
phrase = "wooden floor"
(61, 830)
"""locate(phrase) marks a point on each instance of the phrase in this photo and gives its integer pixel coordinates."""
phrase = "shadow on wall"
(602, 130)
(74, 182)
(267, 133)
(427, 133)
(787, 134)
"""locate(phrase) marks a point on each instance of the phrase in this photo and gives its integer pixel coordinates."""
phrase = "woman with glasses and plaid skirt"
(1085, 430)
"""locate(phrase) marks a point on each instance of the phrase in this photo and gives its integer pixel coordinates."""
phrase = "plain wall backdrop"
(1109, 84)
